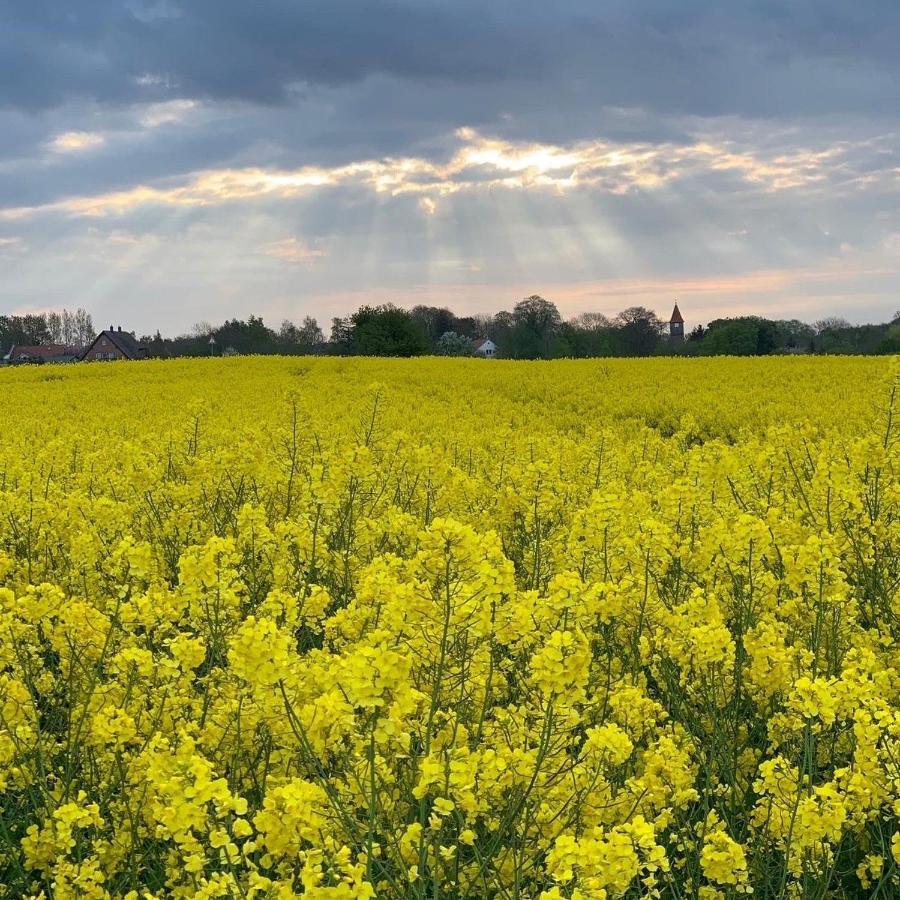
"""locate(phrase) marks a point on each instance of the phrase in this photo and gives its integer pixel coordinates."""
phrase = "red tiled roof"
(39, 351)
(676, 315)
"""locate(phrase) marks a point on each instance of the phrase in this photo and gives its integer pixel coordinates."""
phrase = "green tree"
(740, 336)
(29, 329)
(238, 336)
(386, 330)
(730, 337)
(766, 337)
(891, 341)
(639, 330)
(532, 331)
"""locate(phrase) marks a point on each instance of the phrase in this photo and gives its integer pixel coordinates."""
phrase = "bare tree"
(74, 329)
(484, 324)
(54, 326)
(202, 329)
(310, 333)
(289, 333)
(307, 335)
(830, 323)
(590, 321)
(69, 330)
(83, 327)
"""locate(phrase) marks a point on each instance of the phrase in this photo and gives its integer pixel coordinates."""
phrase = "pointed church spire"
(676, 325)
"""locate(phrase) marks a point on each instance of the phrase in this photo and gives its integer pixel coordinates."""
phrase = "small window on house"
(103, 342)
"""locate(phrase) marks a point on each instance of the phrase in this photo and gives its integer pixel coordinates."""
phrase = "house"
(114, 344)
(485, 347)
(676, 325)
(22, 354)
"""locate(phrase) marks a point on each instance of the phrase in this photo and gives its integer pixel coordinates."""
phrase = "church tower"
(676, 325)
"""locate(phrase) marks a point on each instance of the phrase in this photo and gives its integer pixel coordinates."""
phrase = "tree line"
(72, 329)
(240, 337)
(532, 329)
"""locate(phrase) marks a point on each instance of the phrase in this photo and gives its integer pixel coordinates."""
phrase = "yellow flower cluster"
(330, 628)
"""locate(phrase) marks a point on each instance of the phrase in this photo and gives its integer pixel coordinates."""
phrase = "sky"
(167, 162)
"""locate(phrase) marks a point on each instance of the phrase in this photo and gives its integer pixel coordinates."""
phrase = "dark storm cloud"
(696, 56)
(223, 49)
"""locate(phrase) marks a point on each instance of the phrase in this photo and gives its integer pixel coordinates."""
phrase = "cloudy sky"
(164, 162)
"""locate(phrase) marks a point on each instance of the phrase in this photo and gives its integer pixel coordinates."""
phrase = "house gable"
(114, 344)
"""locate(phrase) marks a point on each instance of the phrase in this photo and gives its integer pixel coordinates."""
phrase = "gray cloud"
(153, 100)
(698, 56)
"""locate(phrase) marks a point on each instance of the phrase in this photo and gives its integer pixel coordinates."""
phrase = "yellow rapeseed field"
(345, 628)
